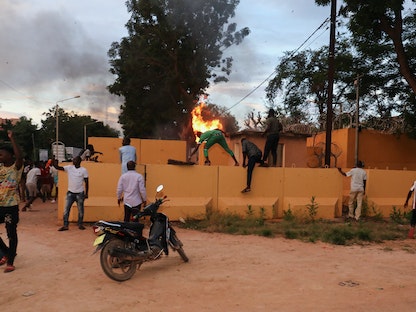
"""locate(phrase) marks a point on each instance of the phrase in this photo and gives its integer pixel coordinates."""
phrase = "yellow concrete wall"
(159, 151)
(266, 191)
(383, 151)
(294, 153)
(148, 151)
(193, 190)
(376, 149)
(294, 148)
(387, 189)
(109, 147)
(300, 185)
(343, 139)
(102, 201)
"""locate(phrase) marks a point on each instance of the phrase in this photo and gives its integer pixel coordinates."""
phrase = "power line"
(290, 56)
(17, 91)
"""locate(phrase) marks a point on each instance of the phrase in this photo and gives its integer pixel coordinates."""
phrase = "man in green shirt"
(210, 138)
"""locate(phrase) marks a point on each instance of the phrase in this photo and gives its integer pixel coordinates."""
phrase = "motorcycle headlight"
(98, 230)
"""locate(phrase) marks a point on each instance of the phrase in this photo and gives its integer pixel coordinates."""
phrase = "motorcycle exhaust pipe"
(128, 255)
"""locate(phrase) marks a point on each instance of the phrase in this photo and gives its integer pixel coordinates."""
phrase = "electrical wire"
(17, 91)
(326, 21)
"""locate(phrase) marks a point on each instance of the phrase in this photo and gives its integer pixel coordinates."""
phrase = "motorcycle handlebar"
(151, 208)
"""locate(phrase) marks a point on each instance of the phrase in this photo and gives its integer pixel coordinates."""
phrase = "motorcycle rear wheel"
(115, 268)
(178, 247)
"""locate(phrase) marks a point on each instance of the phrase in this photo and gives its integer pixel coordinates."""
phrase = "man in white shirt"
(131, 190)
(77, 177)
(32, 185)
(357, 191)
(54, 174)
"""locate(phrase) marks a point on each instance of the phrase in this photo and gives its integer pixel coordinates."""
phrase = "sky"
(55, 50)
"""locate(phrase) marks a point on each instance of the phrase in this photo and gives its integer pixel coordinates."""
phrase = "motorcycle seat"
(135, 226)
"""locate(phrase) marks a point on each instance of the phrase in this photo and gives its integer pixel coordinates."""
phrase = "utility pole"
(357, 116)
(331, 73)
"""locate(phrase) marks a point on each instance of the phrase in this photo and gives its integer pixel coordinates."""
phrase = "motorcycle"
(124, 248)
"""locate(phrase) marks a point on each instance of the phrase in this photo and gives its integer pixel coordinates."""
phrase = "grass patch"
(370, 229)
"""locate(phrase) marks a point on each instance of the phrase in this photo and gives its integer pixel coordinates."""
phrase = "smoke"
(46, 46)
(49, 54)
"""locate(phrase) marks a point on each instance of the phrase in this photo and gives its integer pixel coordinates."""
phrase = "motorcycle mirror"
(159, 188)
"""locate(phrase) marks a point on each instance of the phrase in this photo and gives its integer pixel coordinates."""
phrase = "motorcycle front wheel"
(115, 268)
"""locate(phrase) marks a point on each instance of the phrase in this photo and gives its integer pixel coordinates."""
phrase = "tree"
(71, 129)
(253, 121)
(378, 22)
(24, 132)
(378, 27)
(173, 51)
(301, 82)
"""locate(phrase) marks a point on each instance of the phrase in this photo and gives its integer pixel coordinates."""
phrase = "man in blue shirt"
(127, 153)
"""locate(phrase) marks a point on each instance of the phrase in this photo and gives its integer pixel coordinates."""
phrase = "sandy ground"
(56, 271)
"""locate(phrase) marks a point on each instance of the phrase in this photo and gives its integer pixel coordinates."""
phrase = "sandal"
(9, 268)
(3, 260)
(246, 190)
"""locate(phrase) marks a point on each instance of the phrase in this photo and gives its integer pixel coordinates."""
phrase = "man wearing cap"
(131, 190)
(272, 130)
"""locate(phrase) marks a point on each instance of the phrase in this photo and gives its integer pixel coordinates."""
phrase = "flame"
(198, 121)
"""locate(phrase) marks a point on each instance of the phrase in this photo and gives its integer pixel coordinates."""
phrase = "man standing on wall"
(357, 191)
(272, 130)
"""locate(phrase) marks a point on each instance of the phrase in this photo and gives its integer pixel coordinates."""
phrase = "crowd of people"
(39, 180)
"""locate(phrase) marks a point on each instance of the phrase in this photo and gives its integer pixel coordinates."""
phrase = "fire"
(200, 122)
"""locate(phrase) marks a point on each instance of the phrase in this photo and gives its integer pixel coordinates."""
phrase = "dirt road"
(56, 271)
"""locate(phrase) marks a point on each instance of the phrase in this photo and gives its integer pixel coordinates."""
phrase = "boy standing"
(11, 167)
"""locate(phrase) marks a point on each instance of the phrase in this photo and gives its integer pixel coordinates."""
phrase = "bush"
(398, 216)
(338, 236)
(288, 215)
(293, 227)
